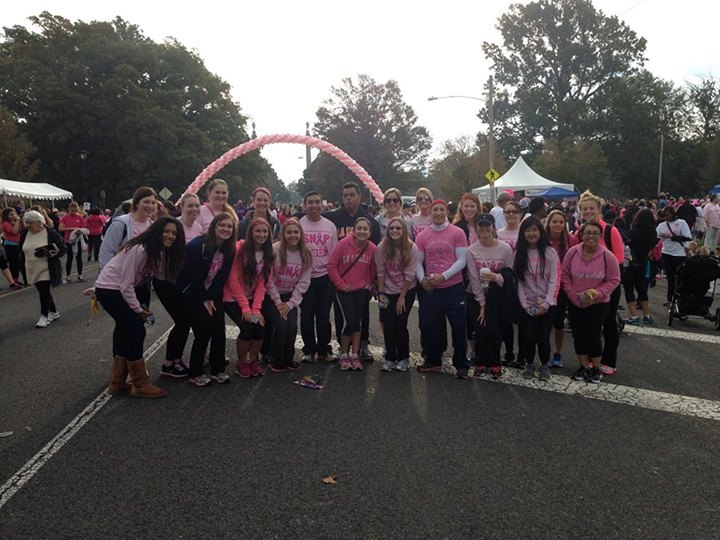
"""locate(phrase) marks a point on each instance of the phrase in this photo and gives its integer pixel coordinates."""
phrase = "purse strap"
(355, 261)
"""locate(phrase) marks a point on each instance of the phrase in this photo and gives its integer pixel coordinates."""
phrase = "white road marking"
(674, 334)
(31, 468)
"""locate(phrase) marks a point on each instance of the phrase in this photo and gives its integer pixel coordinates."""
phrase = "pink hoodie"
(362, 274)
(235, 290)
(601, 273)
(537, 284)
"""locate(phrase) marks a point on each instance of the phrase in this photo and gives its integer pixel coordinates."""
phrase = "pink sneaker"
(257, 369)
(345, 363)
(355, 363)
(607, 370)
(244, 370)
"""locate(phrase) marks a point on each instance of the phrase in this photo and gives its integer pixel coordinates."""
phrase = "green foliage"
(15, 151)
(145, 113)
(579, 162)
(371, 122)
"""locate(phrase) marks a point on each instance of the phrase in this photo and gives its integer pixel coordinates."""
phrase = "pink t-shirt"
(205, 217)
(193, 231)
(420, 223)
(390, 270)
(94, 224)
(438, 248)
(139, 227)
(10, 236)
(509, 237)
(320, 239)
(289, 278)
(71, 221)
(215, 265)
(495, 258)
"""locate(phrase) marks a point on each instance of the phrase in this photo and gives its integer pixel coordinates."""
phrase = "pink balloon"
(306, 140)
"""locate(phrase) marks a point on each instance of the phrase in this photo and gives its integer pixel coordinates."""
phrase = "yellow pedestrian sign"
(492, 175)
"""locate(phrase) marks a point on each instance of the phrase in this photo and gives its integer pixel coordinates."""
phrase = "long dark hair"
(521, 248)
(246, 254)
(160, 258)
(210, 240)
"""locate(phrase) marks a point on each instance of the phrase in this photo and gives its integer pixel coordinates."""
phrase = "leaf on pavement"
(329, 480)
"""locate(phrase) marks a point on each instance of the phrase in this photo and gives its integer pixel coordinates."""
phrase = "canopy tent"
(715, 189)
(521, 177)
(32, 191)
(557, 193)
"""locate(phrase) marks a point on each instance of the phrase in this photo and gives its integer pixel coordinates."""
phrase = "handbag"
(51, 251)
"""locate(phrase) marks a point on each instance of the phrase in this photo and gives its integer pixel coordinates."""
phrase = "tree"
(372, 123)
(145, 113)
(15, 150)
(556, 59)
(579, 162)
(704, 104)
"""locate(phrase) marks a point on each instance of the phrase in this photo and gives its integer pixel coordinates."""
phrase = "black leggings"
(535, 331)
(634, 280)
(47, 304)
(94, 241)
(397, 337)
(351, 308)
(174, 303)
(207, 329)
(670, 265)
(78, 257)
(129, 332)
(12, 252)
(284, 331)
(586, 324)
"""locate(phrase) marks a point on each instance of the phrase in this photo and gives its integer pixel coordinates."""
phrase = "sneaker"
(308, 358)
(257, 369)
(43, 322)
(221, 378)
(329, 357)
(479, 370)
(581, 374)
(495, 372)
(635, 321)
(388, 365)
(461, 373)
(544, 373)
(243, 369)
(556, 361)
(365, 354)
(199, 381)
(277, 368)
(292, 365)
(402, 365)
(345, 363)
(53, 316)
(355, 363)
(80, 278)
(647, 319)
(65, 281)
(529, 372)
(175, 371)
(595, 375)
(429, 366)
(607, 370)
(520, 364)
(568, 328)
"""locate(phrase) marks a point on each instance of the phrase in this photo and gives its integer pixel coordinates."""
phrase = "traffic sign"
(165, 193)
(492, 175)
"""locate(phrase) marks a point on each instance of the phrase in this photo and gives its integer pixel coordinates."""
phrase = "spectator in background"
(94, 224)
(71, 224)
(497, 210)
(11, 227)
(711, 215)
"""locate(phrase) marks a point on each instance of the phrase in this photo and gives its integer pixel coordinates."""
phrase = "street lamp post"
(491, 125)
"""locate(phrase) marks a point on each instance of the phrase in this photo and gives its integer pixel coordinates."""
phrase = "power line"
(631, 8)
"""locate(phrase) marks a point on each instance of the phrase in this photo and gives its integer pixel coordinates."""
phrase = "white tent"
(32, 191)
(521, 177)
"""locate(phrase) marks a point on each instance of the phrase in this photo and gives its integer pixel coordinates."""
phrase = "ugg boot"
(139, 379)
(118, 377)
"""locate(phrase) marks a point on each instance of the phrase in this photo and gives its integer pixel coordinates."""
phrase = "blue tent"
(556, 193)
(715, 189)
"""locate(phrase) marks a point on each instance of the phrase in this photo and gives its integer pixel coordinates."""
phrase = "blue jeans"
(435, 307)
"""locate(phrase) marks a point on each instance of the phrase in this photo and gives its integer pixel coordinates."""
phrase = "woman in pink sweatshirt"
(396, 262)
(352, 271)
(289, 281)
(159, 250)
(537, 267)
(590, 274)
(244, 293)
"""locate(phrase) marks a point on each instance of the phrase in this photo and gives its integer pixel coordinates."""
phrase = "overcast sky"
(282, 56)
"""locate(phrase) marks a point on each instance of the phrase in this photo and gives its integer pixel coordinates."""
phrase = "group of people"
(490, 272)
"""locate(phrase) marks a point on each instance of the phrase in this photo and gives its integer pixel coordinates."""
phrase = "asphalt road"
(412, 455)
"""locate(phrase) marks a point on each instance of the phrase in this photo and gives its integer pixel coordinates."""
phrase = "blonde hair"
(187, 195)
(589, 196)
(424, 191)
(226, 207)
(404, 249)
(305, 254)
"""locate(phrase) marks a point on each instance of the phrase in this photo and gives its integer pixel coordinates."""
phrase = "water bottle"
(150, 318)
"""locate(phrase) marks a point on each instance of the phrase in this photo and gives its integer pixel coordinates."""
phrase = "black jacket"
(55, 243)
(345, 222)
(194, 271)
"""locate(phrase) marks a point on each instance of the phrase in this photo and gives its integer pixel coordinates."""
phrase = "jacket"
(55, 243)
(191, 279)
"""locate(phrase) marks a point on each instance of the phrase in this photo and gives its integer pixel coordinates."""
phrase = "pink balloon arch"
(305, 140)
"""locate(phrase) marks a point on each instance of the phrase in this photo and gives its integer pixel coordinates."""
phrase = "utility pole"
(307, 151)
(491, 135)
(662, 143)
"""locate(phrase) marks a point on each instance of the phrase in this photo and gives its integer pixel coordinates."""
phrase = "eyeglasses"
(591, 233)
(392, 201)
(395, 228)
(423, 198)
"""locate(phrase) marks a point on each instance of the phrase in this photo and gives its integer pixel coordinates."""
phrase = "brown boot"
(139, 379)
(118, 377)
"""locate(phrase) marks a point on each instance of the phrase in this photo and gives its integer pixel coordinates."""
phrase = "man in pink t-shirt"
(442, 256)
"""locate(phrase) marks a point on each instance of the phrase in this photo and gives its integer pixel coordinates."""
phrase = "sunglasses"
(423, 198)
(392, 201)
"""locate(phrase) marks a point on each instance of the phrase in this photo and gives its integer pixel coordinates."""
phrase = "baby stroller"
(695, 290)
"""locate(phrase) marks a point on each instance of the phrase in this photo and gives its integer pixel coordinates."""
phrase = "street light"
(491, 134)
